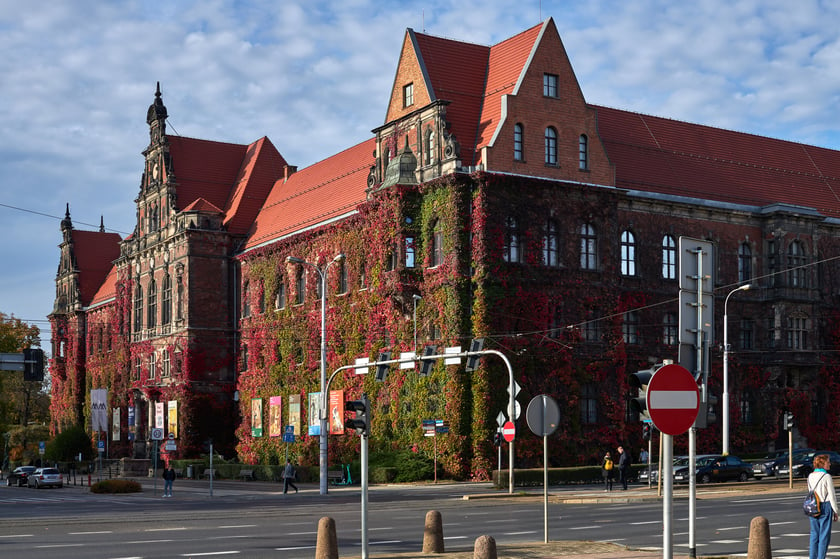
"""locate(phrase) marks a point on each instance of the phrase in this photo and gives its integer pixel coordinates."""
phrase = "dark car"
(18, 477)
(804, 464)
(768, 465)
(717, 468)
(45, 477)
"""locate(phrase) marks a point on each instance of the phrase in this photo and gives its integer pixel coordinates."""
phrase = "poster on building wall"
(172, 427)
(294, 414)
(275, 428)
(160, 414)
(312, 416)
(99, 410)
(336, 412)
(256, 417)
(115, 424)
(131, 424)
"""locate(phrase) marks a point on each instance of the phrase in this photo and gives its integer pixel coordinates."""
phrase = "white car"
(45, 477)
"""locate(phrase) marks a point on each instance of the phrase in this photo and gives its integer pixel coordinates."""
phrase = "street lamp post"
(416, 298)
(322, 399)
(726, 368)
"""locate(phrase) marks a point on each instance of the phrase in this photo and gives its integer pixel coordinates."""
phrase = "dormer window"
(408, 95)
(550, 85)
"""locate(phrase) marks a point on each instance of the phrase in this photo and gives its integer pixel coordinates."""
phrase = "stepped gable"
(94, 254)
(323, 192)
(660, 155)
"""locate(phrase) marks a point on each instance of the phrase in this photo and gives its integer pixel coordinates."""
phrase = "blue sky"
(314, 76)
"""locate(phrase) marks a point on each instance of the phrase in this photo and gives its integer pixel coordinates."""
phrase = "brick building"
(495, 202)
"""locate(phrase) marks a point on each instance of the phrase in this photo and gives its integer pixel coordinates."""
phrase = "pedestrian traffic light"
(472, 360)
(788, 421)
(427, 364)
(646, 431)
(33, 364)
(361, 422)
(640, 380)
(382, 370)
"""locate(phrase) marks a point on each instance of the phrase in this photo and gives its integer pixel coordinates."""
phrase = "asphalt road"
(257, 520)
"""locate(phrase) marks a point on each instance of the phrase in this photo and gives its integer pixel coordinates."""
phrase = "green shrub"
(116, 486)
(67, 445)
(401, 466)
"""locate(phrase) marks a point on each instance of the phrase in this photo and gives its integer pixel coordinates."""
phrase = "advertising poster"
(294, 414)
(256, 417)
(336, 412)
(115, 424)
(99, 410)
(160, 413)
(275, 427)
(131, 426)
(312, 417)
(173, 417)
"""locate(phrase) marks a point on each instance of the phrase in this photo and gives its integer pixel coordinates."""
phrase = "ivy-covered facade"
(494, 202)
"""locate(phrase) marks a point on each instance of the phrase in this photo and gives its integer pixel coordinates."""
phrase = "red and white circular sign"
(673, 399)
(509, 431)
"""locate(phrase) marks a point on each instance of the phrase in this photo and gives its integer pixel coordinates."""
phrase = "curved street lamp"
(726, 368)
(322, 403)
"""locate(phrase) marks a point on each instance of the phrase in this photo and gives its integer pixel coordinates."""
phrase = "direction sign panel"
(673, 399)
(509, 431)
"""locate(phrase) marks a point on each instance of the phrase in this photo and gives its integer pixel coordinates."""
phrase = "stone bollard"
(485, 548)
(327, 544)
(759, 546)
(433, 533)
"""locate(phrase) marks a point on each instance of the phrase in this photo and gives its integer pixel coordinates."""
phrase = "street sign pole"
(543, 416)
(668, 495)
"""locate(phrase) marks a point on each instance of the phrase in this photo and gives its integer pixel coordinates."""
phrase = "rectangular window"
(797, 333)
(166, 364)
(630, 328)
(409, 252)
(746, 334)
(589, 404)
(550, 85)
(152, 365)
(408, 95)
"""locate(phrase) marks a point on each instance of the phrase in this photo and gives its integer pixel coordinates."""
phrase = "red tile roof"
(95, 253)
(108, 289)
(326, 190)
(671, 157)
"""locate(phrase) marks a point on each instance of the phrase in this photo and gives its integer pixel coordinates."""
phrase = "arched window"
(550, 146)
(744, 263)
(588, 247)
(583, 152)
(669, 257)
(511, 248)
(151, 315)
(551, 244)
(796, 265)
(628, 254)
(437, 244)
(138, 307)
(166, 301)
(518, 153)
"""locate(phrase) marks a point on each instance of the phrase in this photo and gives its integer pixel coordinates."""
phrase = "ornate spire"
(101, 223)
(66, 223)
(157, 110)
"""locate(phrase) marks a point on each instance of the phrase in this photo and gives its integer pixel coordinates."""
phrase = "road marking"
(785, 522)
(59, 545)
(727, 541)
(18, 536)
(141, 542)
(175, 529)
(294, 548)
(385, 542)
(210, 553)
(240, 526)
(593, 527)
(647, 522)
(519, 533)
(455, 537)
(89, 533)
(729, 528)
(301, 534)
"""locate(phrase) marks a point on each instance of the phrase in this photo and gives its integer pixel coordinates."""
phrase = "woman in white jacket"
(821, 483)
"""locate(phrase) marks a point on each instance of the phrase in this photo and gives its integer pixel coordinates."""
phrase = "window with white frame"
(408, 95)
(628, 253)
(583, 152)
(518, 147)
(669, 257)
(588, 247)
(166, 365)
(409, 252)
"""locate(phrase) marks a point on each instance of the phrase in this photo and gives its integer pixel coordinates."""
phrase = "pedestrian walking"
(820, 482)
(289, 474)
(607, 469)
(623, 467)
(168, 478)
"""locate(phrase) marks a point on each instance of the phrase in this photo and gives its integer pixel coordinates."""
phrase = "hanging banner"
(160, 414)
(294, 414)
(336, 412)
(99, 410)
(275, 428)
(173, 418)
(312, 417)
(115, 424)
(131, 426)
(256, 417)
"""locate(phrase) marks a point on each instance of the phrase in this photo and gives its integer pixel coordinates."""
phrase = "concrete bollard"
(327, 544)
(485, 548)
(759, 546)
(433, 533)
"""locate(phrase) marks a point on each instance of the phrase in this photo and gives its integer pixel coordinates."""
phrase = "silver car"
(45, 477)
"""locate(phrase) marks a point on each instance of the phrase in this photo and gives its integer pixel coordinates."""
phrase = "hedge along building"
(518, 212)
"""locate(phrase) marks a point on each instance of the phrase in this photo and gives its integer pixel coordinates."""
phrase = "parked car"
(19, 475)
(716, 468)
(804, 464)
(767, 466)
(45, 477)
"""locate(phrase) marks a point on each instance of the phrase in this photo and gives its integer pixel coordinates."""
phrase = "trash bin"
(189, 472)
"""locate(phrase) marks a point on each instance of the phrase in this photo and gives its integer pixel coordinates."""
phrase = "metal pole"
(650, 449)
(364, 497)
(545, 489)
(668, 497)
(211, 468)
(322, 412)
(692, 491)
(725, 395)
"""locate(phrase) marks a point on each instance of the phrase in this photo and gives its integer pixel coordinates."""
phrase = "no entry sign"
(509, 431)
(673, 399)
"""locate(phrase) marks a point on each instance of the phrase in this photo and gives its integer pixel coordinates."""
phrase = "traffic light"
(788, 421)
(382, 370)
(361, 423)
(646, 431)
(497, 439)
(427, 364)
(640, 380)
(707, 415)
(33, 364)
(472, 360)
